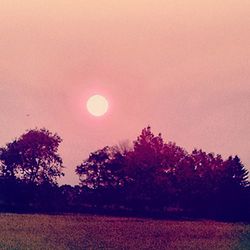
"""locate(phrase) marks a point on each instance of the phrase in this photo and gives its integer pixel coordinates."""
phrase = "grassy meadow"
(19, 231)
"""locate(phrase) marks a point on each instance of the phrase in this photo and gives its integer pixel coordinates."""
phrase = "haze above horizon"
(183, 68)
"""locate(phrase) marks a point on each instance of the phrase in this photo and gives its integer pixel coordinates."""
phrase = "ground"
(100, 232)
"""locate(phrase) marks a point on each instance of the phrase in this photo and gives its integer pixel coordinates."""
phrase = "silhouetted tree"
(143, 166)
(235, 173)
(232, 200)
(103, 168)
(198, 180)
(151, 176)
(32, 158)
(173, 158)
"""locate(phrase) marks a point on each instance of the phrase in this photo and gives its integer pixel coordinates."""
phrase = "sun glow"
(97, 105)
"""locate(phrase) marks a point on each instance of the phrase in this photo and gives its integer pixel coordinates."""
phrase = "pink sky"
(180, 66)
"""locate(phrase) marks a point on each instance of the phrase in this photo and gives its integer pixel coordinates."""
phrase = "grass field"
(100, 232)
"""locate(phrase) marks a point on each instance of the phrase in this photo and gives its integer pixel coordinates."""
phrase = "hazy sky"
(181, 66)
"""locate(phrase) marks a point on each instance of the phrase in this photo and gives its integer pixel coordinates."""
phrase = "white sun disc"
(97, 105)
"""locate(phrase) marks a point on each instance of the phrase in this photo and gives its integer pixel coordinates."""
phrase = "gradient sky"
(181, 66)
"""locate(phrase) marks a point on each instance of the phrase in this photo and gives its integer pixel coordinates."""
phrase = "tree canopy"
(102, 168)
(33, 157)
(160, 174)
(151, 176)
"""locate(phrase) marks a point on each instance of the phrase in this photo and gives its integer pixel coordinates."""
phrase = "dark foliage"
(152, 178)
(103, 168)
(32, 158)
(164, 178)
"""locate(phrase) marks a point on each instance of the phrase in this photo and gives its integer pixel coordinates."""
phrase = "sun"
(97, 105)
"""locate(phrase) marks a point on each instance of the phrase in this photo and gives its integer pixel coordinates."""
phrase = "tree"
(235, 172)
(144, 167)
(146, 156)
(173, 160)
(154, 175)
(32, 158)
(232, 186)
(197, 180)
(102, 169)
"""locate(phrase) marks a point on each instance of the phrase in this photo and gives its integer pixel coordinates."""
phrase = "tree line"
(152, 177)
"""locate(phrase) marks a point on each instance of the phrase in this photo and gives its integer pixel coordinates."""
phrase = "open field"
(101, 232)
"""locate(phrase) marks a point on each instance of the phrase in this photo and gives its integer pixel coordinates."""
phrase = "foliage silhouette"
(150, 178)
(102, 169)
(163, 177)
(33, 158)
